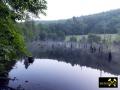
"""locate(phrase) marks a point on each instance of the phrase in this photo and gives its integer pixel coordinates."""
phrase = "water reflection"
(48, 74)
(99, 60)
(28, 61)
(5, 68)
(58, 69)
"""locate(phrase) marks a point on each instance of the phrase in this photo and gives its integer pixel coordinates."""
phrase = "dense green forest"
(12, 44)
(101, 23)
(106, 22)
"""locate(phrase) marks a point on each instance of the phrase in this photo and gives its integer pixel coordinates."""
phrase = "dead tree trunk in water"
(109, 56)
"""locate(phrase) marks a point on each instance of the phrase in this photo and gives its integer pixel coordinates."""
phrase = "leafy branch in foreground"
(12, 42)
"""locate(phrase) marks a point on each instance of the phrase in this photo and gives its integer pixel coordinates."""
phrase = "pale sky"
(63, 9)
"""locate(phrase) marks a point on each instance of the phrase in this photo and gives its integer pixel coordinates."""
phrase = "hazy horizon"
(42, 19)
(65, 9)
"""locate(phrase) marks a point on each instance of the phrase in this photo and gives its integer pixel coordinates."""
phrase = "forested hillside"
(105, 22)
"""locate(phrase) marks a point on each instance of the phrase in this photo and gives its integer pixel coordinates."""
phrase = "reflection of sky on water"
(45, 74)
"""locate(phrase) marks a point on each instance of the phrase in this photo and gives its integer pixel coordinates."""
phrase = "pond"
(49, 74)
(59, 69)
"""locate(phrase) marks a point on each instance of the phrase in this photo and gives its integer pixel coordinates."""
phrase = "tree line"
(102, 23)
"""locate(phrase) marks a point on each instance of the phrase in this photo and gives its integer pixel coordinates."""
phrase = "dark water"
(59, 69)
(48, 74)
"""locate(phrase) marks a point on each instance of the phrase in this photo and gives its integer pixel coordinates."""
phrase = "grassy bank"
(113, 37)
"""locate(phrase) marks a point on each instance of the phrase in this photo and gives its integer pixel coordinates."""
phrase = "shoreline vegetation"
(12, 42)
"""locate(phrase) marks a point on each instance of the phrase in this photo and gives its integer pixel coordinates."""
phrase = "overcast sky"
(63, 9)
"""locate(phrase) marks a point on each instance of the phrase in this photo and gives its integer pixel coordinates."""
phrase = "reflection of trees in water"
(96, 60)
(5, 68)
(28, 61)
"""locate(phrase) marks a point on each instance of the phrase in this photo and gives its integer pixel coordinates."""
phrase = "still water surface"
(49, 74)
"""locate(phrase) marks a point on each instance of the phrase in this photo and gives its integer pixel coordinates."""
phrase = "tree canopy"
(12, 42)
(106, 22)
(20, 9)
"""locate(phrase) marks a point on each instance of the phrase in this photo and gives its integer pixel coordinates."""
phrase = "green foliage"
(42, 35)
(27, 30)
(40, 32)
(94, 38)
(102, 23)
(118, 38)
(5, 67)
(21, 8)
(83, 39)
(2, 68)
(73, 39)
(12, 43)
(107, 22)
